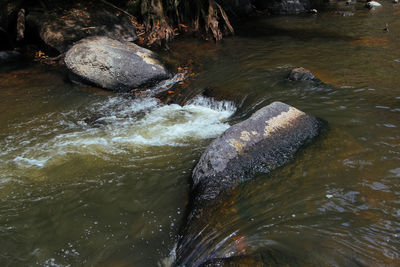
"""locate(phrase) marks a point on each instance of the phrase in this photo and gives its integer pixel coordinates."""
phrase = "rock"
(59, 30)
(345, 13)
(291, 7)
(301, 74)
(265, 141)
(113, 65)
(9, 56)
(283, 7)
(372, 4)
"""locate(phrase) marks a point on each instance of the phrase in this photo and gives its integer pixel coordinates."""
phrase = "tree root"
(162, 20)
(161, 34)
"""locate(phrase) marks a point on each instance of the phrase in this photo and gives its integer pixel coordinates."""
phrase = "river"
(112, 190)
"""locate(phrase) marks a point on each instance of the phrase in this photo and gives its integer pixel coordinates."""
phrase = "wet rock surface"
(265, 141)
(284, 7)
(59, 29)
(301, 74)
(113, 65)
(262, 143)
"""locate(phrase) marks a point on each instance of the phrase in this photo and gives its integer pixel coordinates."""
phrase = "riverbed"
(112, 190)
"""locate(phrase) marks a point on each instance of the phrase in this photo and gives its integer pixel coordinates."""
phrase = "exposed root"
(164, 19)
(215, 11)
(21, 24)
(212, 21)
(161, 34)
(225, 17)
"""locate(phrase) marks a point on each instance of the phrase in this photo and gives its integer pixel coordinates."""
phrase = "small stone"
(301, 74)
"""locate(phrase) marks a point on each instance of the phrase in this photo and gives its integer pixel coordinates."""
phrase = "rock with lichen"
(265, 141)
(113, 65)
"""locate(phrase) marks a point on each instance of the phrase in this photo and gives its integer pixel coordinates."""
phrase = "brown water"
(114, 192)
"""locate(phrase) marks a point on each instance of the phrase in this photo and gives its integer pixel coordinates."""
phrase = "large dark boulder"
(267, 140)
(113, 65)
(60, 28)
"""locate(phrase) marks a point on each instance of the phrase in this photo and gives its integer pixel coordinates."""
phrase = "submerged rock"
(253, 260)
(61, 28)
(113, 65)
(345, 13)
(301, 74)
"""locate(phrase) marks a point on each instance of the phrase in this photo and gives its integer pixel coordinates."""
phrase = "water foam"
(119, 125)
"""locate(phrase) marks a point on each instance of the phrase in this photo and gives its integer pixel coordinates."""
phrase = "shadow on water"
(272, 30)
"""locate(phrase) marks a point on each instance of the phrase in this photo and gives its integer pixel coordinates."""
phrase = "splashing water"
(118, 126)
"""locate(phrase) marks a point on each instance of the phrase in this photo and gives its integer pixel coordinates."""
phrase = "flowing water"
(91, 178)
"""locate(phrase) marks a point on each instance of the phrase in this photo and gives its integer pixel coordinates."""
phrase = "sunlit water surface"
(90, 178)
